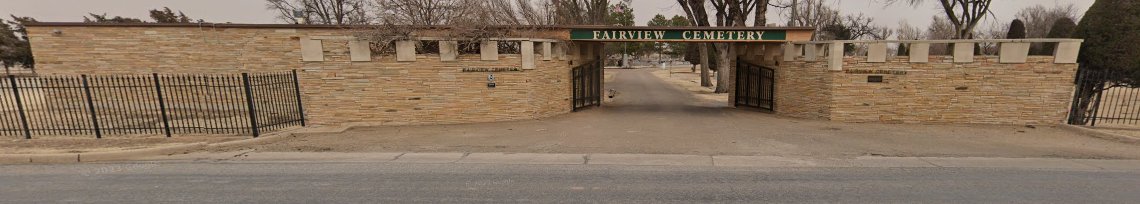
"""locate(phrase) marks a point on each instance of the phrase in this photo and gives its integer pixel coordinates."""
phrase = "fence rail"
(239, 104)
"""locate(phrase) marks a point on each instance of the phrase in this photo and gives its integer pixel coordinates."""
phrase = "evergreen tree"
(1016, 30)
(1109, 30)
(14, 46)
(168, 16)
(96, 18)
(1063, 28)
(1111, 42)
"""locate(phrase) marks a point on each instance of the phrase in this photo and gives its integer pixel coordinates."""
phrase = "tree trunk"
(704, 49)
(761, 17)
(723, 66)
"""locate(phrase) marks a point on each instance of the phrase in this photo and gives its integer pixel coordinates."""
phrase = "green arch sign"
(678, 35)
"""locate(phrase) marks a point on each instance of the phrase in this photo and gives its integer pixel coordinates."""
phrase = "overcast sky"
(253, 11)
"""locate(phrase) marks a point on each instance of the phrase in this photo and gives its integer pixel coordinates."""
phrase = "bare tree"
(695, 11)
(965, 15)
(729, 13)
(906, 31)
(330, 12)
(994, 31)
(421, 12)
(467, 21)
(1039, 20)
(940, 29)
(580, 12)
(810, 13)
(761, 17)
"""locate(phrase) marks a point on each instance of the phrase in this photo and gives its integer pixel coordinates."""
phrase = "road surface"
(314, 182)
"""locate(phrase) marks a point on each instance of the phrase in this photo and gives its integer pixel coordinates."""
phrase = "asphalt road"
(484, 183)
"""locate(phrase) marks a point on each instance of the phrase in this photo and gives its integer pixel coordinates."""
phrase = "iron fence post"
(161, 105)
(91, 107)
(249, 104)
(20, 107)
(297, 91)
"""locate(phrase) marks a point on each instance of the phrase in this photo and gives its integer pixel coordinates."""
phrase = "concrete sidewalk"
(663, 160)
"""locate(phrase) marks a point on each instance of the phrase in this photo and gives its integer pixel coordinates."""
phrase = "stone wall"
(941, 91)
(336, 90)
(803, 89)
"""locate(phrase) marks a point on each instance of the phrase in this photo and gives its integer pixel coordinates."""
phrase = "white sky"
(253, 11)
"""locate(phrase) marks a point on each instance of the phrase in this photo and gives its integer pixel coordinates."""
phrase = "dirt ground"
(690, 81)
(652, 116)
(80, 144)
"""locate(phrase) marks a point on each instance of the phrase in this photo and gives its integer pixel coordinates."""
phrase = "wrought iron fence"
(245, 104)
(1104, 97)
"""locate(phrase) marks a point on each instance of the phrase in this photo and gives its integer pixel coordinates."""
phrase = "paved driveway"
(649, 115)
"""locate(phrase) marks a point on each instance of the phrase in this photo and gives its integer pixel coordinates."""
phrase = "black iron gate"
(1104, 97)
(587, 85)
(755, 86)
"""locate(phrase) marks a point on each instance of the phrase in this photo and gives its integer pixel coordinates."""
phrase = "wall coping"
(1012, 51)
(1028, 40)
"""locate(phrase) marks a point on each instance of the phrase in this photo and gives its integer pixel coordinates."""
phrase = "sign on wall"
(679, 35)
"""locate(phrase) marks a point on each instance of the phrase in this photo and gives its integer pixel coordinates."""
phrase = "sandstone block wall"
(983, 91)
(335, 91)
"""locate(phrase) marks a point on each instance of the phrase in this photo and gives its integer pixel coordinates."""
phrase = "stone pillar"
(489, 50)
(448, 51)
(526, 48)
(791, 51)
(359, 51)
(835, 56)
(1013, 53)
(812, 52)
(1066, 52)
(546, 52)
(559, 50)
(964, 52)
(877, 52)
(919, 52)
(312, 50)
(406, 51)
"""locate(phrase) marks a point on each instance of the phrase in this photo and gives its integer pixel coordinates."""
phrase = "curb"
(127, 154)
(1098, 134)
(157, 151)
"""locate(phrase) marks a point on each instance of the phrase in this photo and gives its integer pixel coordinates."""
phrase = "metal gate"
(755, 86)
(1105, 97)
(587, 85)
